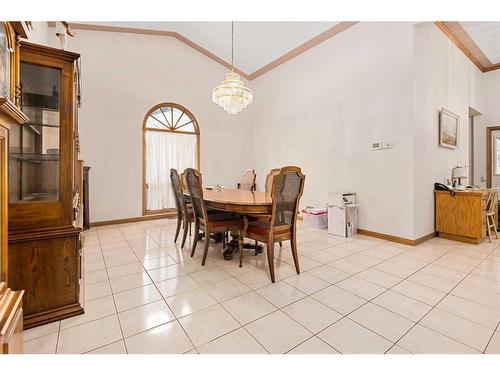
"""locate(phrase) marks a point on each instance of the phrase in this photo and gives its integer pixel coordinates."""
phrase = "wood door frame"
(196, 133)
(489, 154)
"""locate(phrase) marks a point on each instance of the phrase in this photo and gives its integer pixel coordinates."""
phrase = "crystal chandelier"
(232, 95)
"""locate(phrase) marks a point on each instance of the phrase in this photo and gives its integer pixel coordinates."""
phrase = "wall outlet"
(376, 145)
(386, 144)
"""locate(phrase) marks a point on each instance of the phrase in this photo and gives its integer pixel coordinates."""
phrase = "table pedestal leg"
(232, 247)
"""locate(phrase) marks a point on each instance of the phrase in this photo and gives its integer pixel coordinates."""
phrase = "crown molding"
(457, 34)
(327, 34)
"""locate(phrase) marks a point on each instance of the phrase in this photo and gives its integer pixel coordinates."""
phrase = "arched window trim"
(147, 129)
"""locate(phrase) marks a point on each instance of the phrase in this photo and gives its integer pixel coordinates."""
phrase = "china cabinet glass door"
(34, 147)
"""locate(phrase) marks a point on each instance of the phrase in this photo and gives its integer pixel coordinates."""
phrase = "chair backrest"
(180, 202)
(248, 180)
(269, 179)
(490, 204)
(193, 180)
(287, 189)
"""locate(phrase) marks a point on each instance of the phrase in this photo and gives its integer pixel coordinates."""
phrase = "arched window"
(171, 139)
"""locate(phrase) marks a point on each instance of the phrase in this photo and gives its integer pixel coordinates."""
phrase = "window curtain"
(164, 151)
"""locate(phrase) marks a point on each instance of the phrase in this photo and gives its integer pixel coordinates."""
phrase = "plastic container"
(315, 218)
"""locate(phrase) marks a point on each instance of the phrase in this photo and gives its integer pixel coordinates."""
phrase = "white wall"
(444, 78)
(323, 109)
(490, 117)
(124, 75)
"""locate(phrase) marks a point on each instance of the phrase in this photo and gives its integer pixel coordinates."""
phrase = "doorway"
(493, 156)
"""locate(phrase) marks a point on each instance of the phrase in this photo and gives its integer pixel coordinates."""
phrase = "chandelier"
(232, 95)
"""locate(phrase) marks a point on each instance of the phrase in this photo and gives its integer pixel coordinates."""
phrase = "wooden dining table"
(238, 201)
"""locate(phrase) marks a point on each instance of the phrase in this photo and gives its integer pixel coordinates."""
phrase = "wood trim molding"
(401, 240)
(489, 154)
(457, 34)
(325, 35)
(134, 219)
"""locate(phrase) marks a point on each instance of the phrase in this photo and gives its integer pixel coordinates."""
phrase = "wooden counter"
(462, 217)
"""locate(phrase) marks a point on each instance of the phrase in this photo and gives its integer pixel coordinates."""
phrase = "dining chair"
(490, 212)
(286, 191)
(268, 186)
(217, 222)
(248, 180)
(184, 209)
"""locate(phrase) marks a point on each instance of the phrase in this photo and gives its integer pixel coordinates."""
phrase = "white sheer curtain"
(166, 150)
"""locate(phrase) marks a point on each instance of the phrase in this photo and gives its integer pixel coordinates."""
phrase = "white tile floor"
(145, 295)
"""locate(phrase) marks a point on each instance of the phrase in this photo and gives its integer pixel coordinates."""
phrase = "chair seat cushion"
(222, 220)
(261, 227)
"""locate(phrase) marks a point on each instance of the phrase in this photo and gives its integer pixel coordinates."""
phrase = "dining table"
(243, 202)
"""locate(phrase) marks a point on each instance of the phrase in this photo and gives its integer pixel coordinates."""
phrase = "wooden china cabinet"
(11, 311)
(45, 179)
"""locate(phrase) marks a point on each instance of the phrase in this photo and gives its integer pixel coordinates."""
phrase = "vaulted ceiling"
(480, 41)
(258, 46)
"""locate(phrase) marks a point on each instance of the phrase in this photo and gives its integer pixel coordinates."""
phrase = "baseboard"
(133, 219)
(401, 240)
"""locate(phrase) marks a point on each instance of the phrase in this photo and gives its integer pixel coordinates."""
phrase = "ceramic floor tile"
(95, 276)
(329, 274)
(226, 289)
(348, 266)
(312, 314)
(479, 296)
(168, 338)
(114, 348)
(433, 281)
(97, 290)
(165, 273)
(40, 331)
(124, 270)
(422, 340)
(135, 280)
(402, 305)
(277, 332)
(41, 345)
(348, 337)
(248, 307)
(398, 350)
(280, 294)
(94, 309)
(205, 325)
(313, 346)
(339, 299)
(144, 317)
(380, 278)
(136, 297)
(209, 276)
(470, 310)
(457, 328)
(255, 279)
(304, 263)
(89, 336)
(307, 283)
(236, 342)
(379, 320)
(419, 292)
(176, 285)
(494, 345)
(155, 262)
(394, 269)
(189, 302)
(361, 287)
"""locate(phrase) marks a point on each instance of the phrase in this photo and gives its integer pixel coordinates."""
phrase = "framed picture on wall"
(449, 124)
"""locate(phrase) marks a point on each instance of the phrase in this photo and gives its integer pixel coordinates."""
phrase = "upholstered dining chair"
(268, 186)
(218, 222)
(286, 191)
(248, 180)
(184, 210)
